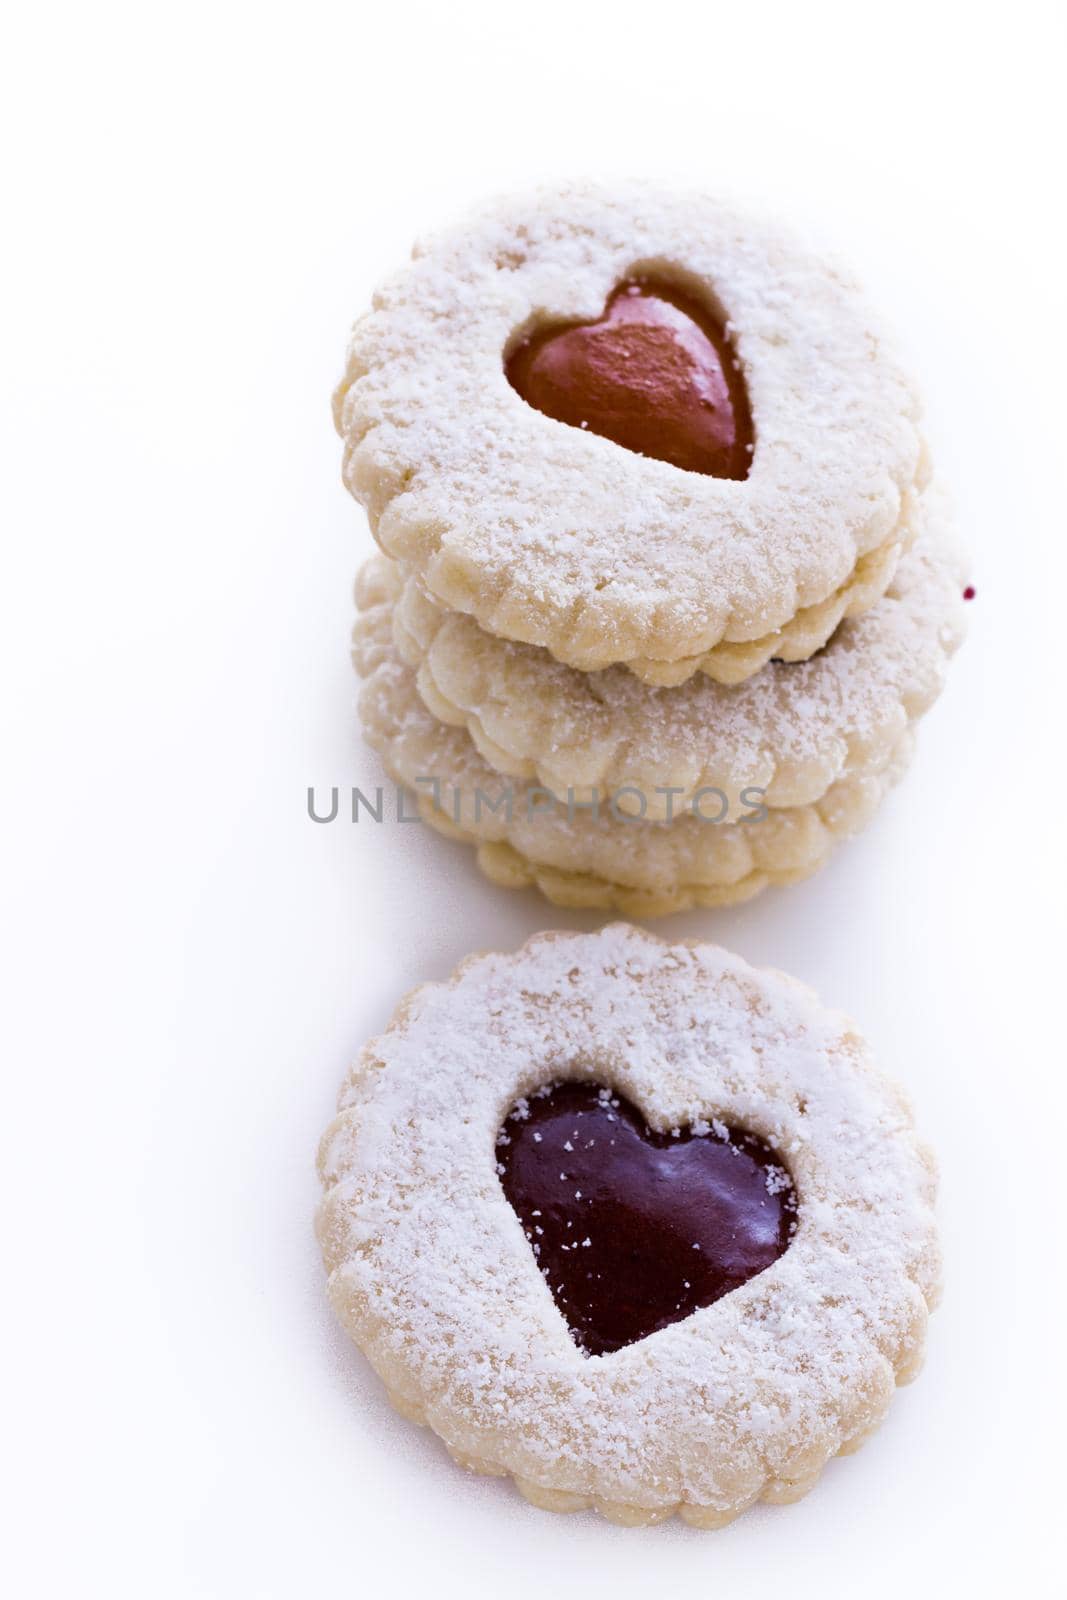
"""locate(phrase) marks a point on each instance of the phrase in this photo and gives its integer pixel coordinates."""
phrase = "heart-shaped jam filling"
(657, 374)
(634, 1229)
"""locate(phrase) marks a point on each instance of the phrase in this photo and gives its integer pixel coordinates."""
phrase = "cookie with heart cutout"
(633, 426)
(589, 1215)
(723, 848)
(793, 730)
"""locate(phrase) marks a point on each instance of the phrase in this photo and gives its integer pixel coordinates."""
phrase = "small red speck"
(970, 592)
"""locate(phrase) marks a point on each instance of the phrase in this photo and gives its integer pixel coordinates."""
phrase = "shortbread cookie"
(633, 426)
(720, 849)
(793, 730)
(590, 1215)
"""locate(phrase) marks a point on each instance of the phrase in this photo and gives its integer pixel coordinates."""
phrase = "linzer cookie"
(590, 1215)
(604, 792)
(633, 427)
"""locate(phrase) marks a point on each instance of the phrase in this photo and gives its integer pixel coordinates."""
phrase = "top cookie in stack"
(633, 431)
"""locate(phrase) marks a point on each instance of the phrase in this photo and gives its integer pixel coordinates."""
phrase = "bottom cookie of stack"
(792, 846)
(609, 860)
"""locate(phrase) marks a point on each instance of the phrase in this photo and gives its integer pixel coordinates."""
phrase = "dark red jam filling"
(656, 374)
(634, 1229)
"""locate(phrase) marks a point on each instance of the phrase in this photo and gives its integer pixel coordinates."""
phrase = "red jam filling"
(634, 1229)
(656, 374)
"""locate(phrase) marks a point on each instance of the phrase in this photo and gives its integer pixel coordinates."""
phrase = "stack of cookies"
(665, 584)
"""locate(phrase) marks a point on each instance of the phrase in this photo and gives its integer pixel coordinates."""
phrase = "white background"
(198, 200)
